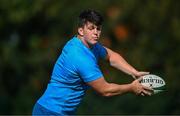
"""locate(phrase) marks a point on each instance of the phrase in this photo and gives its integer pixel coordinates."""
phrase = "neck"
(84, 41)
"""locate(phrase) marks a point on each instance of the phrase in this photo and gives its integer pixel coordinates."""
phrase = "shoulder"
(71, 46)
(74, 51)
(99, 50)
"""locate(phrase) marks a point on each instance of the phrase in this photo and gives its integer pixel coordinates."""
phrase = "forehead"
(90, 24)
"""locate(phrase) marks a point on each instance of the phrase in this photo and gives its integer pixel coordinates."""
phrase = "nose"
(95, 31)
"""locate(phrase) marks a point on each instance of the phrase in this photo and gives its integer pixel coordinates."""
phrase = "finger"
(133, 76)
(142, 94)
(148, 88)
(143, 73)
(147, 93)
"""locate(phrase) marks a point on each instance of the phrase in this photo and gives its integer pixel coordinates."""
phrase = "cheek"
(88, 34)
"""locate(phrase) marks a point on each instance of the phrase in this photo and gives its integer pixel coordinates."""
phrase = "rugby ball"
(153, 81)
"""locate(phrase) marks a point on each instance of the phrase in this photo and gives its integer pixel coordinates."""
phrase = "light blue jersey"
(76, 66)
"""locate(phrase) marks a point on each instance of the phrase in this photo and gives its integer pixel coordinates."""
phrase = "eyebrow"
(93, 25)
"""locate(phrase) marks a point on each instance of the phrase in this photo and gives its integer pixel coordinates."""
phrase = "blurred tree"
(33, 32)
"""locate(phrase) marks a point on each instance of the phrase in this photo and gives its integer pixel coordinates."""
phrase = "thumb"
(134, 77)
(140, 78)
(143, 73)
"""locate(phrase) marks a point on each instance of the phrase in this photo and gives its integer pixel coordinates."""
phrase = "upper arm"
(88, 70)
(86, 67)
(110, 54)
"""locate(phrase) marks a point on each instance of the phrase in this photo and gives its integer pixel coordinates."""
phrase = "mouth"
(95, 38)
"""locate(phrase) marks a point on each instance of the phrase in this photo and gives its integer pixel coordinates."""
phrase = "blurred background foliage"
(33, 33)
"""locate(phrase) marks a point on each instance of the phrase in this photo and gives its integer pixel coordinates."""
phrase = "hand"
(139, 89)
(138, 74)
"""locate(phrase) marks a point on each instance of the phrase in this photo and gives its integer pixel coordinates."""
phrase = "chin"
(93, 43)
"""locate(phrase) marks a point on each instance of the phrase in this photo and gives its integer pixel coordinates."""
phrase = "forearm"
(115, 89)
(111, 89)
(120, 63)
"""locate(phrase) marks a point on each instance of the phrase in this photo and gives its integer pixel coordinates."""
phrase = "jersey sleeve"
(100, 51)
(88, 69)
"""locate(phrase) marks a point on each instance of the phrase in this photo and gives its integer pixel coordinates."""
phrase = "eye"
(91, 27)
(99, 28)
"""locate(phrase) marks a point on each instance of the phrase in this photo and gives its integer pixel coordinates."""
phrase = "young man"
(77, 69)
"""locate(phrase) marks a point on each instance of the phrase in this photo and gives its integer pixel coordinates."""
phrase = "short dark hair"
(90, 16)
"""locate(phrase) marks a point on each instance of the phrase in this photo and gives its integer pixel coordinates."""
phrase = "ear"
(80, 31)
